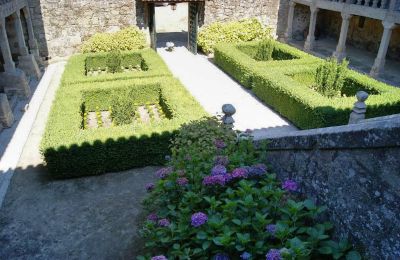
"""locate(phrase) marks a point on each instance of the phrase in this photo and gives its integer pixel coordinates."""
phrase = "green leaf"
(237, 221)
(176, 246)
(201, 235)
(353, 255)
(218, 241)
(206, 245)
(325, 250)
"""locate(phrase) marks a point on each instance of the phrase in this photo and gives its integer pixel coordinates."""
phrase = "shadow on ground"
(86, 218)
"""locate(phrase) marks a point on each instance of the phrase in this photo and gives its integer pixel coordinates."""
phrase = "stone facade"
(61, 26)
(354, 171)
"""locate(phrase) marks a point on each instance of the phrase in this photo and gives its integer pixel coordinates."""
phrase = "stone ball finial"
(362, 96)
(228, 109)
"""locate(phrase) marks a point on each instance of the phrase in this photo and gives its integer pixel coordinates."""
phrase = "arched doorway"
(193, 21)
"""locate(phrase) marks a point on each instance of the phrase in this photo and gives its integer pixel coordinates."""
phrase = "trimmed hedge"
(239, 62)
(70, 151)
(99, 61)
(152, 66)
(273, 83)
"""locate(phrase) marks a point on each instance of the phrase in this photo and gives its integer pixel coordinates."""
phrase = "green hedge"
(152, 66)
(238, 60)
(99, 61)
(70, 151)
(273, 83)
(244, 30)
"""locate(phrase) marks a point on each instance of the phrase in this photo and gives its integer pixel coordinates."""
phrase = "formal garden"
(119, 107)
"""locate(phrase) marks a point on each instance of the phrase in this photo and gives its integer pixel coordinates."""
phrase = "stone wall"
(266, 11)
(62, 25)
(367, 37)
(354, 170)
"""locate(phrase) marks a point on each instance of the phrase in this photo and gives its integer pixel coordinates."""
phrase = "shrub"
(330, 76)
(265, 50)
(277, 83)
(128, 39)
(70, 151)
(150, 63)
(231, 32)
(225, 202)
(114, 61)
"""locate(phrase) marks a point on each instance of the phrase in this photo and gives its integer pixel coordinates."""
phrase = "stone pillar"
(13, 79)
(23, 50)
(289, 29)
(26, 61)
(228, 110)
(309, 44)
(33, 45)
(9, 65)
(340, 52)
(6, 115)
(379, 63)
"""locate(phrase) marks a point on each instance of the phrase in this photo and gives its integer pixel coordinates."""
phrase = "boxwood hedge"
(150, 63)
(71, 151)
(274, 83)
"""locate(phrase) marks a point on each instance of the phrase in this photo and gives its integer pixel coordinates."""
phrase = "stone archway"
(193, 21)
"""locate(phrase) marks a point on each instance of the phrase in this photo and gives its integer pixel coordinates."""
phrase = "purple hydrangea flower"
(221, 160)
(164, 172)
(164, 222)
(199, 219)
(273, 254)
(245, 256)
(152, 217)
(159, 257)
(150, 187)
(239, 173)
(290, 185)
(218, 170)
(220, 144)
(214, 180)
(271, 228)
(257, 170)
(248, 131)
(221, 256)
(182, 181)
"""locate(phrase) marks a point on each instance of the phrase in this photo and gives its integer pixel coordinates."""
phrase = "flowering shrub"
(231, 206)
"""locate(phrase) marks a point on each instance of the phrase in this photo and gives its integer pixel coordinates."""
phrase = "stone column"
(289, 29)
(26, 61)
(33, 45)
(23, 50)
(13, 80)
(340, 52)
(6, 115)
(379, 63)
(309, 44)
(9, 65)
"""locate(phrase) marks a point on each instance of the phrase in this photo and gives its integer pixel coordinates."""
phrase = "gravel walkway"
(213, 88)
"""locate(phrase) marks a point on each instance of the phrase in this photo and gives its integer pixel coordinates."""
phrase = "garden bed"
(94, 67)
(285, 86)
(72, 150)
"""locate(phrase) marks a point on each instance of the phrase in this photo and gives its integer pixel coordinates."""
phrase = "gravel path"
(213, 88)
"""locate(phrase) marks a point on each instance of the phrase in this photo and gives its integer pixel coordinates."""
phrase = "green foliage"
(128, 39)
(70, 151)
(114, 60)
(265, 50)
(285, 85)
(123, 111)
(150, 64)
(238, 212)
(231, 32)
(330, 77)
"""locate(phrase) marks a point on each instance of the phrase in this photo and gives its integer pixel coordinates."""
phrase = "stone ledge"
(373, 133)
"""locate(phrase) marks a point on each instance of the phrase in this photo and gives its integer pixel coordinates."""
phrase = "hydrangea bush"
(217, 200)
